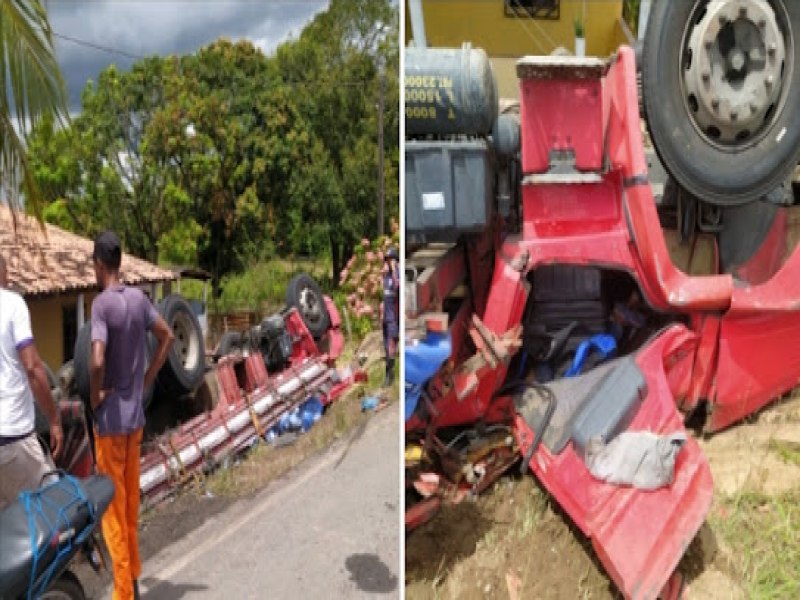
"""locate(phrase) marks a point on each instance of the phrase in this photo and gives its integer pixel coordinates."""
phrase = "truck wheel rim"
(309, 305)
(186, 344)
(736, 60)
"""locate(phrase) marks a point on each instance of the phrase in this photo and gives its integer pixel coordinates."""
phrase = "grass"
(529, 515)
(763, 536)
(262, 285)
(789, 452)
(262, 290)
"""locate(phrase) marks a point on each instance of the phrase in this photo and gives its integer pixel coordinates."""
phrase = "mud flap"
(639, 536)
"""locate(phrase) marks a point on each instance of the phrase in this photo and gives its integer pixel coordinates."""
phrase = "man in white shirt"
(22, 378)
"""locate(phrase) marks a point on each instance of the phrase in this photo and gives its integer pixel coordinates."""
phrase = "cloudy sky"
(134, 28)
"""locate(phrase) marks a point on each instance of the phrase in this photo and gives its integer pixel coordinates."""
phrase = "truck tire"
(744, 230)
(305, 295)
(185, 365)
(81, 361)
(149, 349)
(721, 86)
(206, 397)
(229, 343)
(65, 587)
(66, 378)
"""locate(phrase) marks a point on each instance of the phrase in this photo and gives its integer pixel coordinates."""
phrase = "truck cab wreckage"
(553, 303)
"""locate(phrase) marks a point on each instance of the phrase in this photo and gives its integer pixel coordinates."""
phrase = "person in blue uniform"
(391, 311)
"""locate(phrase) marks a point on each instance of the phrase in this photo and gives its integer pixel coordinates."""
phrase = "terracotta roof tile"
(57, 261)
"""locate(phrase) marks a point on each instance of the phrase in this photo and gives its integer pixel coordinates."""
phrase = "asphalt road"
(328, 530)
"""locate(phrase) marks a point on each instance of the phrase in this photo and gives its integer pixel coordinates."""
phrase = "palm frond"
(32, 88)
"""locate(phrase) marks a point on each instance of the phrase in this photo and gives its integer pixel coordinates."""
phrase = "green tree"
(134, 183)
(227, 157)
(101, 170)
(336, 65)
(244, 155)
(32, 89)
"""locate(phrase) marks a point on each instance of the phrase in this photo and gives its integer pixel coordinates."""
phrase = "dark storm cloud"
(148, 27)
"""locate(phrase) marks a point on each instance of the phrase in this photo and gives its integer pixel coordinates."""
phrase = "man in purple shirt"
(121, 318)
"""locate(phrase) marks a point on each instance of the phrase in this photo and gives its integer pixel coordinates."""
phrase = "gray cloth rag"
(639, 458)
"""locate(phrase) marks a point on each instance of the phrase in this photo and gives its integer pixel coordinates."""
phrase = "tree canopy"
(227, 156)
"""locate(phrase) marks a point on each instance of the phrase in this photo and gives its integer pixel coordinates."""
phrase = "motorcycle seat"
(59, 511)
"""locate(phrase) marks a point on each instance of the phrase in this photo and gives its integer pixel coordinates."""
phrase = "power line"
(110, 50)
(94, 46)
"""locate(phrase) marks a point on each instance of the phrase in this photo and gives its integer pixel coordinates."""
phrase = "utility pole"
(381, 195)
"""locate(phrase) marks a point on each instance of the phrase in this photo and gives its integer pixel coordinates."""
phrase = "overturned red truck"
(255, 379)
(566, 303)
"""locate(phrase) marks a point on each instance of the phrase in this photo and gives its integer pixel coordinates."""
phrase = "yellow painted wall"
(448, 23)
(47, 323)
(505, 73)
(48, 327)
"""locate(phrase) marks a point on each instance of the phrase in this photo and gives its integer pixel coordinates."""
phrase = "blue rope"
(35, 503)
(26, 501)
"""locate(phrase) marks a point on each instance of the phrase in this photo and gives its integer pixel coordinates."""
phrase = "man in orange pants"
(121, 318)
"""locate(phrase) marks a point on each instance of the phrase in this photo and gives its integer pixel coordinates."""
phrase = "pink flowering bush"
(361, 277)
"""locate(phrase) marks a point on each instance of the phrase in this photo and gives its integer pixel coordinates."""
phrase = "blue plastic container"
(422, 361)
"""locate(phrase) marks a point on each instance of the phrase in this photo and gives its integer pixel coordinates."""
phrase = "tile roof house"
(52, 269)
(55, 261)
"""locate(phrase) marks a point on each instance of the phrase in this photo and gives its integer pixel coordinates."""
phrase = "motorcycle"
(44, 531)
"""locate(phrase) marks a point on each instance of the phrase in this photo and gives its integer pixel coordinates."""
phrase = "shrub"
(361, 277)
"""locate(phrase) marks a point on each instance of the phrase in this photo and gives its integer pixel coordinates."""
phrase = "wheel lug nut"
(723, 19)
(743, 12)
(773, 48)
(734, 115)
(706, 75)
(762, 23)
(709, 44)
(753, 108)
(769, 82)
(715, 103)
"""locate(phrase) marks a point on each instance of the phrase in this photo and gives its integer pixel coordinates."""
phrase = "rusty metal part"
(495, 465)
(492, 348)
(431, 276)
(422, 512)
(469, 464)
(561, 67)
